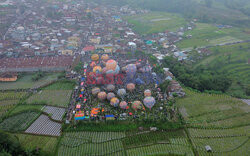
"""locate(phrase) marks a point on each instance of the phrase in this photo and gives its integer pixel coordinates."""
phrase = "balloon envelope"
(102, 95)
(147, 92)
(105, 57)
(130, 86)
(110, 87)
(110, 95)
(114, 102)
(121, 92)
(111, 65)
(149, 102)
(123, 105)
(97, 69)
(95, 57)
(137, 105)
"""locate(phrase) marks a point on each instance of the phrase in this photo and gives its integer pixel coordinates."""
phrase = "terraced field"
(234, 60)
(18, 122)
(208, 34)
(155, 22)
(220, 121)
(120, 143)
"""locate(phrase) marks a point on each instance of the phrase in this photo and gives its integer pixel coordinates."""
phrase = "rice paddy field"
(234, 60)
(220, 121)
(207, 34)
(25, 82)
(155, 22)
(121, 143)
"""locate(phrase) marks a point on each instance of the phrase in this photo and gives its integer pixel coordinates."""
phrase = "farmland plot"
(11, 95)
(159, 149)
(203, 133)
(57, 113)
(6, 106)
(44, 126)
(220, 145)
(51, 97)
(45, 143)
(91, 143)
(18, 122)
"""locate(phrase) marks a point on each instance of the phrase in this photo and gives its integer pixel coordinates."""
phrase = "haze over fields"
(124, 77)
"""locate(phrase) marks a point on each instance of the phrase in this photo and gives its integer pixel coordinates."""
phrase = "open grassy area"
(26, 82)
(61, 85)
(45, 143)
(234, 60)
(208, 34)
(51, 97)
(155, 22)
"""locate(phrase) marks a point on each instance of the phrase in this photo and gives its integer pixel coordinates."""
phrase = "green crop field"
(234, 60)
(45, 143)
(120, 143)
(207, 34)
(6, 106)
(23, 108)
(18, 122)
(155, 22)
(51, 97)
(11, 95)
(61, 85)
(202, 107)
(26, 82)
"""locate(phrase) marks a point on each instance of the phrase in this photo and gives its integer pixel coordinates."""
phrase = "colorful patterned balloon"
(123, 105)
(114, 102)
(110, 95)
(102, 96)
(149, 102)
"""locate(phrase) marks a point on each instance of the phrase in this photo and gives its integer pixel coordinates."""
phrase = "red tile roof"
(29, 62)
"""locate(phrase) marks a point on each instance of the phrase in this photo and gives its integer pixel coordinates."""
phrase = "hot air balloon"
(149, 102)
(110, 95)
(114, 102)
(121, 92)
(105, 57)
(130, 87)
(102, 96)
(95, 91)
(147, 92)
(95, 57)
(111, 65)
(137, 105)
(123, 105)
(110, 87)
(131, 70)
(97, 69)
